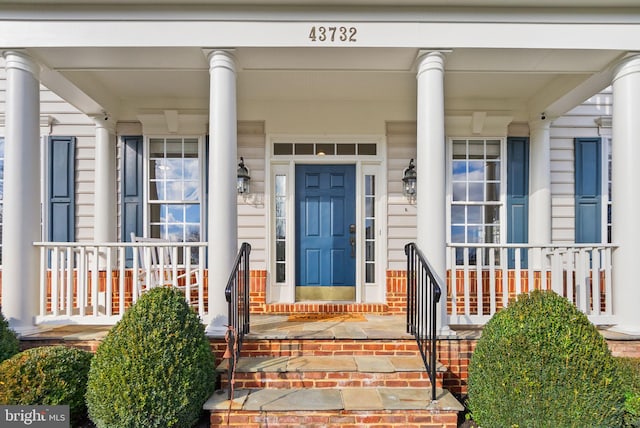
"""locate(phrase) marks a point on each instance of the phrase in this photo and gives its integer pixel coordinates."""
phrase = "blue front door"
(325, 225)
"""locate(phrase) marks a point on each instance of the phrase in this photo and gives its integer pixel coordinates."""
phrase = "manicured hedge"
(49, 375)
(154, 368)
(541, 363)
(9, 345)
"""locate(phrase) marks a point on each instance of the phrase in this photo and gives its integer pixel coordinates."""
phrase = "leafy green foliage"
(49, 375)
(630, 368)
(541, 363)
(154, 368)
(9, 345)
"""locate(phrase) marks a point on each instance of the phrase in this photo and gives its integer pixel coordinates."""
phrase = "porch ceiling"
(126, 81)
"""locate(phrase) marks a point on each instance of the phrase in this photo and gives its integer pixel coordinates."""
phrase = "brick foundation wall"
(343, 418)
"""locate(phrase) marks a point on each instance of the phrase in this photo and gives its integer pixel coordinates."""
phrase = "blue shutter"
(517, 195)
(61, 189)
(131, 191)
(588, 190)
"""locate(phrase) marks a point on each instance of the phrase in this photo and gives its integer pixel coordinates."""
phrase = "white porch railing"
(482, 278)
(92, 283)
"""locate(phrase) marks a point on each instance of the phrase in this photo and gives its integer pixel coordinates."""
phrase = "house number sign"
(324, 34)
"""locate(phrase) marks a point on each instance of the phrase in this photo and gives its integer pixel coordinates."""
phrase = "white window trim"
(365, 165)
(145, 178)
(503, 183)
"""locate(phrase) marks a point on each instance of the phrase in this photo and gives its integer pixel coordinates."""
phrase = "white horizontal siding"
(401, 215)
(252, 215)
(579, 122)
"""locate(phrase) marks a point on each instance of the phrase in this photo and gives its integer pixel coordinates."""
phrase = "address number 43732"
(333, 34)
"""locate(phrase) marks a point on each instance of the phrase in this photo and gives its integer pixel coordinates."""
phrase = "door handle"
(352, 239)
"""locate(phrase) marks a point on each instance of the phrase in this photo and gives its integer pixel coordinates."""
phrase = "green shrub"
(49, 375)
(154, 368)
(9, 345)
(630, 368)
(541, 363)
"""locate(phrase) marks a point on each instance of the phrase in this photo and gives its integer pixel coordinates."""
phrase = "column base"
(628, 329)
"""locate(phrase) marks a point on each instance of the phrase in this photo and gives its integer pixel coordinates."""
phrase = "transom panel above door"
(325, 232)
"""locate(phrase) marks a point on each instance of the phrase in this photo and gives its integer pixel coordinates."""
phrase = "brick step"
(331, 346)
(402, 407)
(330, 372)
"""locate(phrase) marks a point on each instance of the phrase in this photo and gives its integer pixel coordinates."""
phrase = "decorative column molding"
(540, 182)
(105, 180)
(223, 209)
(21, 204)
(626, 203)
(431, 169)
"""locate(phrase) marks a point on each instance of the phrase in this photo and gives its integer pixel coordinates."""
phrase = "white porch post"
(431, 169)
(539, 187)
(625, 195)
(223, 210)
(21, 215)
(105, 181)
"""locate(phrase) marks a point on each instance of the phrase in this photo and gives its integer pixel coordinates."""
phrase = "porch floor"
(368, 326)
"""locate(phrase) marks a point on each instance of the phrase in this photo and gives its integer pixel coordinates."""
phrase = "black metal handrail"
(237, 295)
(424, 288)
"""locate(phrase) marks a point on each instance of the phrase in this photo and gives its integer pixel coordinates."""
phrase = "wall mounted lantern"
(409, 179)
(243, 178)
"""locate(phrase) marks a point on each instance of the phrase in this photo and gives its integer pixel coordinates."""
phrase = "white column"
(105, 181)
(539, 187)
(21, 205)
(223, 211)
(625, 194)
(431, 169)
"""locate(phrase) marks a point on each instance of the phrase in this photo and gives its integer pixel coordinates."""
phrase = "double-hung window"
(175, 189)
(476, 194)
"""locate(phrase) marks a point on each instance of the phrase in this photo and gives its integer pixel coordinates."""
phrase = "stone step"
(334, 407)
(330, 372)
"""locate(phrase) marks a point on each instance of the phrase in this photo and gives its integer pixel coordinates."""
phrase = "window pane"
(492, 171)
(492, 214)
(281, 182)
(476, 192)
(369, 185)
(192, 213)
(326, 149)
(366, 149)
(370, 250)
(346, 149)
(280, 251)
(493, 149)
(192, 234)
(175, 213)
(459, 149)
(280, 228)
(476, 149)
(459, 192)
(282, 149)
(369, 207)
(474, 214)
(493, 192)
(280, 272)
(474, 234)
(370, 272)
(457, 234)
(459, 170)
(370, 232)
(457, 214)
(304, 149)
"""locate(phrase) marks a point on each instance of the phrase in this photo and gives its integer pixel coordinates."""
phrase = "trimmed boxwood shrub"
(630, 368)
(154, 368)
(9, 345)
(541, 363)
(49, 375)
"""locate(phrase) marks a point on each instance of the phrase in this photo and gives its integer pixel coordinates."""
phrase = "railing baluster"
(595, 281)
(479, 294)
(492, 281)
(467, 285)
(607, 281)
(121, 279)
(518, 272)
(108, 285)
